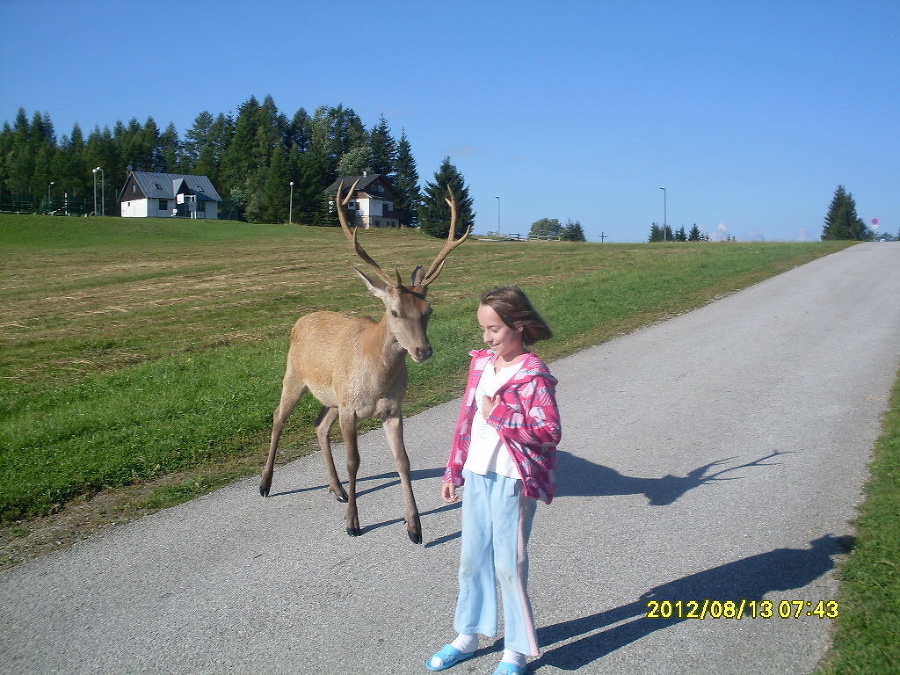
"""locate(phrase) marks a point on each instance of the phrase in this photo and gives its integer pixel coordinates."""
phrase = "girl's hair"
(514, 307)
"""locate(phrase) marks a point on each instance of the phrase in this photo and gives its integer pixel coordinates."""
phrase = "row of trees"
(841, 222)
(658, 233)
(551, 228)
(252, 158)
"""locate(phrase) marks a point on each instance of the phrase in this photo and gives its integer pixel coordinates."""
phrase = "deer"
(356, 368)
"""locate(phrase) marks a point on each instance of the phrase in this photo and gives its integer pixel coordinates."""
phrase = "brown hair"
(515, 309)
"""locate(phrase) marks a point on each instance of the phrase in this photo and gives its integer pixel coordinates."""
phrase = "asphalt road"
(716, 456)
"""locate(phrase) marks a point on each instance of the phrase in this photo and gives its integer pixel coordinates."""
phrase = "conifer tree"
(434, 215)
(694, 234)
(841, 221)
(383, 149)
(406, 182)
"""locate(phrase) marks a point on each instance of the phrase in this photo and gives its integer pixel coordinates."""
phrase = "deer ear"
(377, 287)
(418, 276)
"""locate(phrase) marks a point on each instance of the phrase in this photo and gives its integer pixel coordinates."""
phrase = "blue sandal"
(447, 657)
(509, 669)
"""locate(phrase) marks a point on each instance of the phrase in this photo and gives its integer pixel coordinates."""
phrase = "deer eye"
(395, 314)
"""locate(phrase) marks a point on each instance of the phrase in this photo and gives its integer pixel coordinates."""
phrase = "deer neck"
(384, 342)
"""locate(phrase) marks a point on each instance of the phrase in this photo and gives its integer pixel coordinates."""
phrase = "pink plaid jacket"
(526, 418)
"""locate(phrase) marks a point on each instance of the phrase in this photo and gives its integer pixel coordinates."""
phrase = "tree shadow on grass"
(748, 579)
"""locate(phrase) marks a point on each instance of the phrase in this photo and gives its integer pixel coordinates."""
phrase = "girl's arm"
(527, 414)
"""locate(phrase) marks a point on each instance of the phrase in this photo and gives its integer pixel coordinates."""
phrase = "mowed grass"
(135, 348)
(866, 639)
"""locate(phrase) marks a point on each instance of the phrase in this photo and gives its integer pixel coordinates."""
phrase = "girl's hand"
(488, 404)
(448, 493)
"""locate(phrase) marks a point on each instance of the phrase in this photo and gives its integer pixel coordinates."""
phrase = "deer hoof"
(414, 529)
(341, 496)
(264, 491)
(354, 531)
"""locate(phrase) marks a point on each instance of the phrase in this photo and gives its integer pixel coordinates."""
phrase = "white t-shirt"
(487, 452)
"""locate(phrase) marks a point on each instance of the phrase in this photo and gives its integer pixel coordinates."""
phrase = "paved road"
(718, 455)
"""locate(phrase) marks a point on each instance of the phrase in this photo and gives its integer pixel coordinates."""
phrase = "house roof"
(167, 185)
(363, 182)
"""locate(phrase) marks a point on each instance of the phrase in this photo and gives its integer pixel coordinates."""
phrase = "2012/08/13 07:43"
(738, 609)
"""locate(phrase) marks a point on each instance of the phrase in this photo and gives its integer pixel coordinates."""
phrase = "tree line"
(841, 222)
(252, 158)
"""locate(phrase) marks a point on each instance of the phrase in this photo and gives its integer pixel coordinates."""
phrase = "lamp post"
(291, 206)
(498, 213)
(102, 191)
(49, 203)
(94, 171)
(664, 212)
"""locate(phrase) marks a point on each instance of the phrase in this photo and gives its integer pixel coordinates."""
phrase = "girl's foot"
(447, 657)
(509, 669)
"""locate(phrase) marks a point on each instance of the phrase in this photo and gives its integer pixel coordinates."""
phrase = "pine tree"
(435, 212)
(694, 234)
(383, 149)
(573, 231)
(406, 181)
(841, 221)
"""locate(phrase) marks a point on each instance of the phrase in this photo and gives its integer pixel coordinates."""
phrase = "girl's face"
(506, 342)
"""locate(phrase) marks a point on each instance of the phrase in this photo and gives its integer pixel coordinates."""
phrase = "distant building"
(168, 195)
(372, 204)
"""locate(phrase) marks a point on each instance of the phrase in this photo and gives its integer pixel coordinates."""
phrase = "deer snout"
(422, 354)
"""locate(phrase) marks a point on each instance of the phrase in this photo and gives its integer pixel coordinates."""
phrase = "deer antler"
(452, 243)
(341, 202)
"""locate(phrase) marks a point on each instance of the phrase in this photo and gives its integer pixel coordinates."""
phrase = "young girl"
(504, 451)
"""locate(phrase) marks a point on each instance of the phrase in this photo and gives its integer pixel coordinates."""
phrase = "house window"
(201, 207)
(163, 204)
(158, 186)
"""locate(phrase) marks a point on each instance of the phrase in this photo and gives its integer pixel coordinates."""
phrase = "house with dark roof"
(168, 195)
(372, 202)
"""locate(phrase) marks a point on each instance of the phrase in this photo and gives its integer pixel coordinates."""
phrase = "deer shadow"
(750, 579)
(391, 479)
(579, 477)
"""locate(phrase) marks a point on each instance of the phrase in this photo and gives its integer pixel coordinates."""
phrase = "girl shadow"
(749, 579)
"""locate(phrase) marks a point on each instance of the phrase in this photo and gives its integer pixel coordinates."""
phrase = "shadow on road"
(579, 477)
(749, 579)
(391, 478)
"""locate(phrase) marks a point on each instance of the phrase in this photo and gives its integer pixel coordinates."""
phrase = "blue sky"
(749, 113)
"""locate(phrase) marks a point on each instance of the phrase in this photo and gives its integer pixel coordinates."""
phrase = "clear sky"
(750, 113)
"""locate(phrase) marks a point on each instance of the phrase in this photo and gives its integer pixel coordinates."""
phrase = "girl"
(504, 451)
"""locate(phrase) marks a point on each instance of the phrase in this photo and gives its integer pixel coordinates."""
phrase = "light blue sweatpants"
(496, 525)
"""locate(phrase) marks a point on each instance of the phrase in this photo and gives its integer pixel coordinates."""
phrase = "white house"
(168, 195)
(372, 204)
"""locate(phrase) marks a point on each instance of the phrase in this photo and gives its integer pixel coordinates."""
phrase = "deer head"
(406, 309)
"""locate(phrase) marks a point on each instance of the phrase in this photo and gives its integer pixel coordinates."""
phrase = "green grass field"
(150, 352)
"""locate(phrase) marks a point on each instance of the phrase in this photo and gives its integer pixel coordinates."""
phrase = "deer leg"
(348, 431)
(323, 427)
(291, 393)
(393, 428)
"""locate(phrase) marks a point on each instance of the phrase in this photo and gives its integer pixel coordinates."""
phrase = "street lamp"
(49, 203)
(498, 213)
(102, 191)
(664, 212)
(291, 207)
(94, 171)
